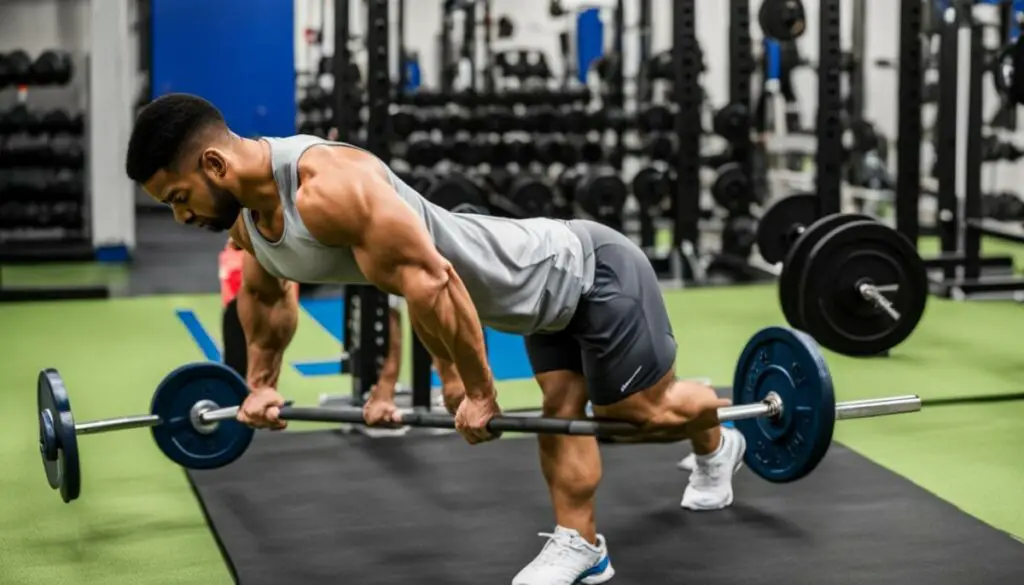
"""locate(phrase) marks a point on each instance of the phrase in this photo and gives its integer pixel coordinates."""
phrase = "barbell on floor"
(784, 405)
(858, 287)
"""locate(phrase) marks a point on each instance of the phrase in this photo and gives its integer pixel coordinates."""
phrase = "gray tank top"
(524, 276)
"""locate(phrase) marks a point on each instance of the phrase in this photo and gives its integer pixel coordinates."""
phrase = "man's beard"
(225, 208)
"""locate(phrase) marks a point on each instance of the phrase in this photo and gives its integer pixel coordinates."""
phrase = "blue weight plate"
(179, 439)
(788, 362)
(58, 444)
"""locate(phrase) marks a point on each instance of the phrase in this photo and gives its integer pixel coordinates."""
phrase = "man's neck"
(258, 187)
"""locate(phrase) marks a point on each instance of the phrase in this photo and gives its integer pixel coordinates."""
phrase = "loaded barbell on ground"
(784, 404)
(856, 286)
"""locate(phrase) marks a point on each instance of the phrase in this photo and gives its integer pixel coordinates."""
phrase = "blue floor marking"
(206, 343)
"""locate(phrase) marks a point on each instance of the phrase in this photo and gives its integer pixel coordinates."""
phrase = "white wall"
(36, 25)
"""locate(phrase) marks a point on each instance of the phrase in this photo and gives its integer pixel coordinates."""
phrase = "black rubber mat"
(325, 508)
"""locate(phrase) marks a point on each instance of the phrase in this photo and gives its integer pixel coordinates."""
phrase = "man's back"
(524, 276)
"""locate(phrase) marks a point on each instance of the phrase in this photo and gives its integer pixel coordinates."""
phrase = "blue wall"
(239, 54)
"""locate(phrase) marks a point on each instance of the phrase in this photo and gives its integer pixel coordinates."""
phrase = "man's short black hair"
(164, 129)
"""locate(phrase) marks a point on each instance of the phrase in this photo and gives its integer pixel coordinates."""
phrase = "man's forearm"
(450, 329)
(269, 325)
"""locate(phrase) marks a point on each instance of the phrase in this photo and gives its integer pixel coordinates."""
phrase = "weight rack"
(367, 311)
(960, 235)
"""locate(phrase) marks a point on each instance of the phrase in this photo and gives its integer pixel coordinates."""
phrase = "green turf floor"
(137, 522)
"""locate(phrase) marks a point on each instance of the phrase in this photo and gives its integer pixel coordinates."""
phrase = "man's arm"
(347, 200)
(269, 314)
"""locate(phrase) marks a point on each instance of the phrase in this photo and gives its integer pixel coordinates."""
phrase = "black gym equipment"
(784, 404)
(856, 286)
(782, 20)
(598, 192)
(51, 68)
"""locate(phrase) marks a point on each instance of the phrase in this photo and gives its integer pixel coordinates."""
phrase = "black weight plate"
(782, 20)
(781, 224)
(649, 188)
(833, 311)
(732, 189)
(58, 444)
(456, 193)
(787, 447)
(796, 259)
(601, 194)
(183, 442)
(535, 197)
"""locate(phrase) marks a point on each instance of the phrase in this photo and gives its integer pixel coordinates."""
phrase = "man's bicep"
(258, 281)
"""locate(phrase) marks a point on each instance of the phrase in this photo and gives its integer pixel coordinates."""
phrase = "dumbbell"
(315, 98)
(733, 122)
(15, 68)
(51, 68)
(555, 149)
(653, 189)
(424, 152)
(60, 121)
(67, 154)
(656, 118)
(458, 192)
(733, 190)
(857, 286)
(19, 119)
(521, 195)
(659, 146)
(598, 191)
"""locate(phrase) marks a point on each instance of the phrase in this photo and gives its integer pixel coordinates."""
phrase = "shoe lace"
(706, 474)
(558, 546)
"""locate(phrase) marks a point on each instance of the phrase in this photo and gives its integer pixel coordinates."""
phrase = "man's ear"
(214, 163)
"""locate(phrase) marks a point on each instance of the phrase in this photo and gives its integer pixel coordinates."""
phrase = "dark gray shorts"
(620, 337)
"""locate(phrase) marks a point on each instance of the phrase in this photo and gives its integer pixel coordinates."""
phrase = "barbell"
(856, 286)
(784, 405)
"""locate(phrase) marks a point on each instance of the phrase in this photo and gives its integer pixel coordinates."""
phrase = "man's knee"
(565, 394)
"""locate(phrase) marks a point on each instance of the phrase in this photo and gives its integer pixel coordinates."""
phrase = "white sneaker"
(687, 463)
(568, 559)
(710, 485)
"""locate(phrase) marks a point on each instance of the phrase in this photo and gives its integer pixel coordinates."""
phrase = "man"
(584, 296)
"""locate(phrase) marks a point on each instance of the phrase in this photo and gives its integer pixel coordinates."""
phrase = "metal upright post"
(830, 155)
(909, 128)
(688, 94)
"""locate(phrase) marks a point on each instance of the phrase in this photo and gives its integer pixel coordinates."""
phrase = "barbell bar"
(784, 404)
(771, 406)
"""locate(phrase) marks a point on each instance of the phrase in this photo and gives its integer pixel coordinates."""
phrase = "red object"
(229, 265)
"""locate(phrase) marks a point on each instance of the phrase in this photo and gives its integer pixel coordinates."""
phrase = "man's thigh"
(622, 326)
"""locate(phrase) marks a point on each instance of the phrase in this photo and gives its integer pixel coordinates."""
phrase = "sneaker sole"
(602, 577)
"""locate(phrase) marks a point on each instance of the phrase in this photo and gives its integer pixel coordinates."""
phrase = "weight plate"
(649, 188)
(796, 259)
(601, 194)
(788, 447)
(534, 196)
(779, 226)
(455, 191)
(187, 444)
(732, 189)
(58, 444)
(831, 307)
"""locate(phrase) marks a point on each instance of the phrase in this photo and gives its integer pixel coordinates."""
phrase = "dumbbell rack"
(42, 186)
